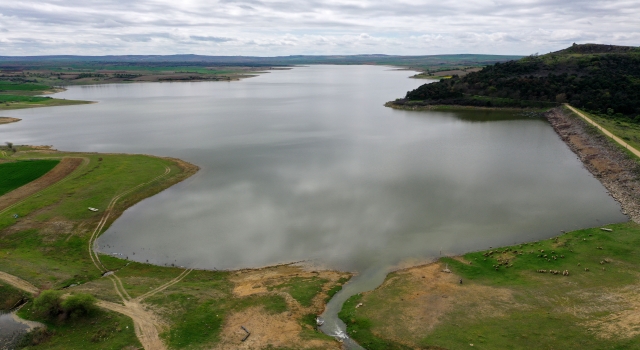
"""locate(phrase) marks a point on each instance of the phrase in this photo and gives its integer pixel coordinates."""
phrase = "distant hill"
(604, 79)
(418, 62)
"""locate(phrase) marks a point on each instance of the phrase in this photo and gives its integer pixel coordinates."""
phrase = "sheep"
(565, 273)
(586, 269)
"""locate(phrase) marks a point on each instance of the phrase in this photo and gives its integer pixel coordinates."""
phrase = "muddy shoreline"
(616, 170)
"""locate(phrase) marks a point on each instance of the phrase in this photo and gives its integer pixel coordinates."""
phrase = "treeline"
(604, 83)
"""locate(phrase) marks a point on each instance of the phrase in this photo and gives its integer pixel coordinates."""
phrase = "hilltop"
(603, 79)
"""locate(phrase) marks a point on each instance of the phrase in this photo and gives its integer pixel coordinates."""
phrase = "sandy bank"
(7, 120)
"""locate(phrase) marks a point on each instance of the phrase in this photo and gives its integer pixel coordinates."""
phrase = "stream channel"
(307, 164)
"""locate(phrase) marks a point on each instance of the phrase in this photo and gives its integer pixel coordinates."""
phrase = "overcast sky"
(285, 27)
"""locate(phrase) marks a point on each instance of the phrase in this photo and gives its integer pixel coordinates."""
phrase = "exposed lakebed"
(307, 164)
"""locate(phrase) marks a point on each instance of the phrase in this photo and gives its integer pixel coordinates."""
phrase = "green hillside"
(603, 79)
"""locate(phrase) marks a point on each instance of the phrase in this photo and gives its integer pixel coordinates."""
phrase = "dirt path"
(605, 131)
(164, 286)
(58, 173)
(18, 283)
(146, 323)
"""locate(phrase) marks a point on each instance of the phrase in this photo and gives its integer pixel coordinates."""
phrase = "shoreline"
(392, 104)
(606, 161)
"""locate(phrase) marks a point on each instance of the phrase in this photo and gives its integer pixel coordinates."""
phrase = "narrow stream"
(364, 281)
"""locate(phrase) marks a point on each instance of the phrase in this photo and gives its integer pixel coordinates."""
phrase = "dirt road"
(605, 131)
(146, 323)
(18, 283)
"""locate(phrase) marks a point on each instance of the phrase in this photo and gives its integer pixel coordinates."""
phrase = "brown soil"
(622, 307)
(7, 120)
(612, 166)
(278, 330)
(64, 168)
(427, 295)
(281, 330)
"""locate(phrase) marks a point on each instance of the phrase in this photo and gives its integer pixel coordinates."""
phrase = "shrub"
(79, 305)
(47, 304)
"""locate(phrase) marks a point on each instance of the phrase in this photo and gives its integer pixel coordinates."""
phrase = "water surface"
(307, 164)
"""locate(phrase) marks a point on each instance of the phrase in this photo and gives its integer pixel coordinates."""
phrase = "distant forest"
(603, 79)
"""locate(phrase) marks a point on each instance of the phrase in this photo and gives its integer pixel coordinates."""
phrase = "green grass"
(361, 328)
(22, 98)
(197, 320)
(101, 330)
(10, 102)
(548, 311)
(16, 174)
(11, 86)
(10, 296)
(627, 131)
(302, 289)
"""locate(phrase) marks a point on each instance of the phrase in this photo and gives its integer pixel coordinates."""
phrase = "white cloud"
(283, 27)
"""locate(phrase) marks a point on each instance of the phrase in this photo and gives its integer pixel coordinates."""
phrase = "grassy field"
(11, 86)
(626, 130)
(16, 174)
(505, 303)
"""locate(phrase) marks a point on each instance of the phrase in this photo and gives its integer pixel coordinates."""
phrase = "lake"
(307, 164)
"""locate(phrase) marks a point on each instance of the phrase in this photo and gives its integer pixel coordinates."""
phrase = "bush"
(47, 304)
(51, 305)
(79, 305)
